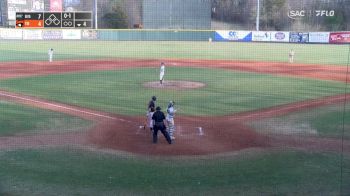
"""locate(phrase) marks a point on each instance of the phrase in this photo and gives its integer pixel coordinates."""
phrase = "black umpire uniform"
(159, 125)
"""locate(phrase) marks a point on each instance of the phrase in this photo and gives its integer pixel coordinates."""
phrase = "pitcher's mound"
(174, 84)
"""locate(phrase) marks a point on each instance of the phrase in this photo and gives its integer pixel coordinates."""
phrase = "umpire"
(159, 125)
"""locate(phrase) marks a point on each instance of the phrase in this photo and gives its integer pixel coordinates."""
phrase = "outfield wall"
(174, 35)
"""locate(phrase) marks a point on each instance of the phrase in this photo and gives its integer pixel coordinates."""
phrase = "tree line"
(274, 14)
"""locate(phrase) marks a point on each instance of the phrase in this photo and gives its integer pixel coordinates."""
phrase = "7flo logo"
(298, 14)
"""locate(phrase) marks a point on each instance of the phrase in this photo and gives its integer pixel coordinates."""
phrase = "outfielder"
(50, 53)
(291, 56)
(161, 73)
(170, 119)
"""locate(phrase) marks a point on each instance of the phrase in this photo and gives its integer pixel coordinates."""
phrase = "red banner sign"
(339, 37)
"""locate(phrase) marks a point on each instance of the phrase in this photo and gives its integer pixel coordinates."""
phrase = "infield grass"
(326, 121)
(122, 91)
(19, 119)
(61, 172)
(272, 52)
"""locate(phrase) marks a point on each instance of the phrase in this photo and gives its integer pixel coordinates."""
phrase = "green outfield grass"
(121, 91)
(326, 121)
(59, 172)
(64, 50)
(16, 119)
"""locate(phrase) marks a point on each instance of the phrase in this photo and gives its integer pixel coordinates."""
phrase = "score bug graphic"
(68, 20)
(52, 20)
(29, 20)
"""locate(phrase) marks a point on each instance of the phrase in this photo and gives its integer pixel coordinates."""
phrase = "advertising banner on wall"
(10, 33)
(261, 36)
(245, 36)
(319, 37)
(339, 37)
(298, 37)
(89, 34)
(52, 34)
(71, 34)
(32, 34)
(279, 36)
(14, 6)
(56, 5)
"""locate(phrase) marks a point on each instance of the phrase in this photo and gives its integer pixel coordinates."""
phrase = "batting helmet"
(154, 98)
(171, 104)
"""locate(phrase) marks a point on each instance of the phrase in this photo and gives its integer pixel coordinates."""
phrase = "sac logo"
(296, 14)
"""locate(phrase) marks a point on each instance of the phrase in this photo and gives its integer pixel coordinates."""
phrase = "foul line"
(63, 107)
(287, 108)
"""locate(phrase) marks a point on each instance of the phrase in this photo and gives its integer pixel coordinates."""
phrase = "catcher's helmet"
(158, 108)
(154, 98)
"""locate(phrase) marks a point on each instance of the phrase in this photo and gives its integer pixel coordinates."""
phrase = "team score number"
(33, 16)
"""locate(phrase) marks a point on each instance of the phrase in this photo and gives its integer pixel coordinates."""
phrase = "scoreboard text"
(53, 20)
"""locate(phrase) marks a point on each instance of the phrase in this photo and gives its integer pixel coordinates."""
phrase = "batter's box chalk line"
(198, 131)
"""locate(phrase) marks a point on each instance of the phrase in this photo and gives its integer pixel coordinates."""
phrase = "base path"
(23, 69)
(194, 135)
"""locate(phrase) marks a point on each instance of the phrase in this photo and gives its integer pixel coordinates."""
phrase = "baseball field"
(248, 122)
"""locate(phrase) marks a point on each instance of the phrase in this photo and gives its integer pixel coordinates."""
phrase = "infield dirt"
(194, 135)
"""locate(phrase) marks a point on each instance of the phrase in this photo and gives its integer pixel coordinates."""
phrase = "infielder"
(291, 56)
(50, 53)
(170, 119)
(161, 73)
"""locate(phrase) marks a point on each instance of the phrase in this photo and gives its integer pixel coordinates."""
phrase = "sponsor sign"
(245, 36)
(52, 34)
(298, 37)
(339, 37)
(279, 36)
(23, 6)
(10, 33)
(89, 34)
(22, 2)
(319, 37)
(261, 36)
(71, 34)
(56, 5)
(32, 34)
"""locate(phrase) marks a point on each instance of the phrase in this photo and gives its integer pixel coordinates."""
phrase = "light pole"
(95, 14)
(257, 15)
